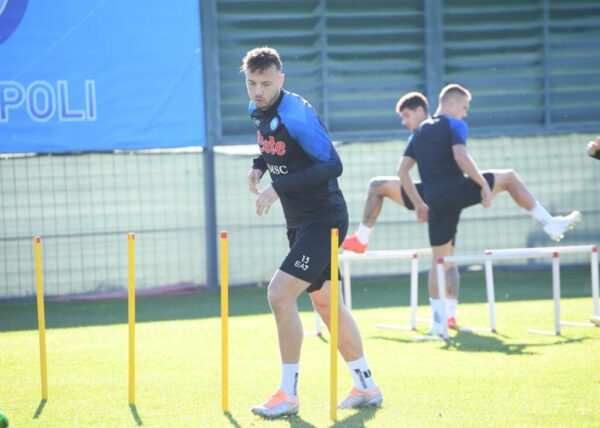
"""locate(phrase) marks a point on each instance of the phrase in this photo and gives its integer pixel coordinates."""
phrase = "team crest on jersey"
(274, 123)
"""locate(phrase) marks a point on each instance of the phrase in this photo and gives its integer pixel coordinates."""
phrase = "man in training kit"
(593, 148)
(303, 164)
(438, 147)
(413, 110)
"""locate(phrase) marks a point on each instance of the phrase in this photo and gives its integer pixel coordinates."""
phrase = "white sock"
(436, 311)
(363, 233)
(363, 380)
(452, 305)
(539, 213)
(289, 379)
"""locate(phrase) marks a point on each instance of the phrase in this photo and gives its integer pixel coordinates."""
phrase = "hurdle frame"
(346, 257)
(523, 253)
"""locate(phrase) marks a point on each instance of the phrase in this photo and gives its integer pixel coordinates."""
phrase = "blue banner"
(100, 75)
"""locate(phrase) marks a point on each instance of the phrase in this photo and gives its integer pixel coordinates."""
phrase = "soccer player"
(304, 165)
(452, 182)
(413, 110)
(593, 148)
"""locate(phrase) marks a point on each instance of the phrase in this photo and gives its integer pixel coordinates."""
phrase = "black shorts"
(407, 202)
(309, 257)
(445, 208)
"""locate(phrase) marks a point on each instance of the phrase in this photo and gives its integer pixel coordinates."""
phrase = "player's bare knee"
(375, 185)
(278, 298)
(323, 310)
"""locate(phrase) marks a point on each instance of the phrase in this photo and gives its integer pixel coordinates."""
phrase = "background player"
(451, 182)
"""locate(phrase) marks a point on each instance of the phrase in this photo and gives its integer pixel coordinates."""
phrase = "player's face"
(264, 86)
(458, 107)
(412, 118)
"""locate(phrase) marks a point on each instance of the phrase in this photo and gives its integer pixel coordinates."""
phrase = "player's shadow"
(298, 422)
(40, 408)
(135, 415)
(466, 341)
(357, 419)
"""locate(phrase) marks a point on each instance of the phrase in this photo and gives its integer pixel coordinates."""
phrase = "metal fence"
(84, 205)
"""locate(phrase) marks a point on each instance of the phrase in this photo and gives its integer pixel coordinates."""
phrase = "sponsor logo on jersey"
(270, 146)
(278, 169)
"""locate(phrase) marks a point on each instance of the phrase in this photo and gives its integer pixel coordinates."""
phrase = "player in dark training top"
(303, 164)
(451, 182)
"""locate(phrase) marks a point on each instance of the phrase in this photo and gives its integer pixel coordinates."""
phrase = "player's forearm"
(409, 187)
(318, 174)
(467, 165)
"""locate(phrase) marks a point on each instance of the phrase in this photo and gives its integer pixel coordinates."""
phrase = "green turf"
(508, 379)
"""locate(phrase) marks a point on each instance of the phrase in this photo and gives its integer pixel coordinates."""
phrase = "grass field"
(476, 380)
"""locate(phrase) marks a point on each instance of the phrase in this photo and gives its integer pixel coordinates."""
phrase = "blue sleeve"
(304, 126)
(410, 149)
(458, 131)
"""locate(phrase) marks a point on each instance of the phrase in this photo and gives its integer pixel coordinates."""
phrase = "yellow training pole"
(333, 325)
(131, 313)
(224, 323)
(39, 278)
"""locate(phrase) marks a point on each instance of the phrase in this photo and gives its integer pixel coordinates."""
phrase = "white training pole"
(595, 293)
(441, 277)
(556, 291)
(489, 283)
(414, 290)
(347, 286)
(318, 324)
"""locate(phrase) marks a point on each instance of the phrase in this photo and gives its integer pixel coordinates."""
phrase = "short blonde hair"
(454, 90)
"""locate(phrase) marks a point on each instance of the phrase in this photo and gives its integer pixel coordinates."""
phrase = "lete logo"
(11, 14)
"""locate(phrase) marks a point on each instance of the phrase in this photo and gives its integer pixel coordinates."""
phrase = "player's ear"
(281, 79)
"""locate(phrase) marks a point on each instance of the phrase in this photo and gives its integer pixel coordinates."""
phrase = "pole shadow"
(232, 420)
(135, 415)
(39, 409)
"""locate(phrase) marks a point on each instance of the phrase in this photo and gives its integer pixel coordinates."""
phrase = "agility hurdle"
(522, 253)
(413, 255)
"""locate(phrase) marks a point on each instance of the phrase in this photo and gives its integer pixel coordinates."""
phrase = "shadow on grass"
(232, 420)
(465, 341)
(357, 419)
(298, 422)
(135, 414)
(39, 409)
(366, 294)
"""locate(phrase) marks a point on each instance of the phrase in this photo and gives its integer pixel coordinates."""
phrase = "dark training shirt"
(431, 147)
(296, 149)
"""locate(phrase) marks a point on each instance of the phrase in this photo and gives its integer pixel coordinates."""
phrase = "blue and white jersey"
(296, 149)
(431, 146)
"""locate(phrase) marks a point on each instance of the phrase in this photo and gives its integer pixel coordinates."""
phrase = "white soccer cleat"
(359, 399)
(557, 227)
(278, 406)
